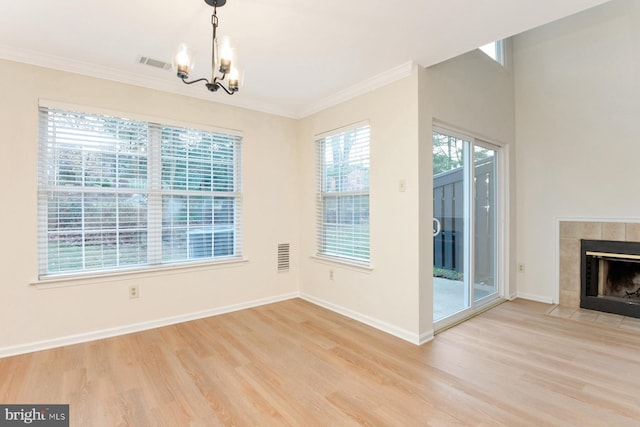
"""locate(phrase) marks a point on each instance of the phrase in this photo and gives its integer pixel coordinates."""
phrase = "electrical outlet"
(134, 292)
(330, 274)
(520, 268)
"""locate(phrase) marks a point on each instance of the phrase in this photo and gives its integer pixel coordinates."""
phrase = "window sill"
(73, 280)
(352, 265)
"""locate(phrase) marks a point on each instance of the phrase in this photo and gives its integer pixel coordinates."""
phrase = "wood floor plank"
(294, 363)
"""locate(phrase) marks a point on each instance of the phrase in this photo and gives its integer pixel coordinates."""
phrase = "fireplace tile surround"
(570, 234)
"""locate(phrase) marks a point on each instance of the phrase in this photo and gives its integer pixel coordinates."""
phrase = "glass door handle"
(436, 227)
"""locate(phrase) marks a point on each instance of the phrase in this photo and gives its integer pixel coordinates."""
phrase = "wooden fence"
(448, 208)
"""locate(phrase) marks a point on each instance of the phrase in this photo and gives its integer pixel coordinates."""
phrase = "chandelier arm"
(229, 92)
(184, 80)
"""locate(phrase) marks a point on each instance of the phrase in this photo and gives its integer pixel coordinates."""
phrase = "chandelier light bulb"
(183, 61)
(226, 55)
(234, 79)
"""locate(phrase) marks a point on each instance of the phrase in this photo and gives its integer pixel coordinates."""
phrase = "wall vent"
(283, 256)
(156, 63)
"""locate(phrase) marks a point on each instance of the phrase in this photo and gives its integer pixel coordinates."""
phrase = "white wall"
(387, 294)
(577, 89)
(31, 314)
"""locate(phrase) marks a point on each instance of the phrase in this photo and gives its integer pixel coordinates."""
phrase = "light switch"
(402, 185)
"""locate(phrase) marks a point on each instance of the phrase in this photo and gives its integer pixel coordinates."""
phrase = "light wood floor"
(293, 363)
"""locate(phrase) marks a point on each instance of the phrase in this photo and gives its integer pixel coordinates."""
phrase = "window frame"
(153, 191)
(349, 254)
(498, 49)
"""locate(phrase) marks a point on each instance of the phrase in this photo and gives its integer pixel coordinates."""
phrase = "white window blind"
(343, 193)
(115, 193)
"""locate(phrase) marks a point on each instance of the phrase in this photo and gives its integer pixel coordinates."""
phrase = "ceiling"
(298, 55)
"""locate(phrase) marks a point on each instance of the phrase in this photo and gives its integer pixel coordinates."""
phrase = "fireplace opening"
(621, 279)
(610, 276)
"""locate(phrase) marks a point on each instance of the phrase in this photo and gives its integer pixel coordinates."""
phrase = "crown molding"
(365, 86)
(41, 59)
(45, 60)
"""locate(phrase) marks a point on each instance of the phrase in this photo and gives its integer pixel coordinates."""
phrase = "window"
(343, 193)
(495, 51)
(115, 193)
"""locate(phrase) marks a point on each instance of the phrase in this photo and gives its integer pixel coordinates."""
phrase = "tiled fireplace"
(571, 234)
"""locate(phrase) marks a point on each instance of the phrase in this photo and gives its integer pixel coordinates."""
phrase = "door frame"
(501, 250)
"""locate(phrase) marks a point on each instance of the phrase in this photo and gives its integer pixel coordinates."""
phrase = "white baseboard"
(370, 321)
(537, 298)
(426, 337)
(143, 326)
(137, 327)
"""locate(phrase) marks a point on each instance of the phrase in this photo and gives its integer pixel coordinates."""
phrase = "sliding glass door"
(465, 209)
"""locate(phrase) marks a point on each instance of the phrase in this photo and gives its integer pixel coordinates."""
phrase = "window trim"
(88, 109)
(152, 267)
(78, 279)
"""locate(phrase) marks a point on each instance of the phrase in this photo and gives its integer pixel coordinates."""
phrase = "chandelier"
(222, 58)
